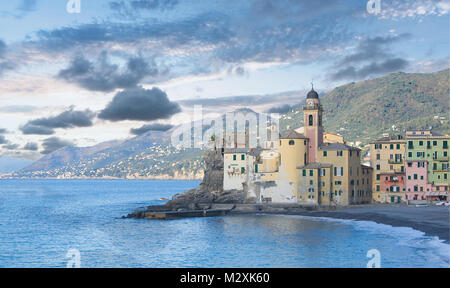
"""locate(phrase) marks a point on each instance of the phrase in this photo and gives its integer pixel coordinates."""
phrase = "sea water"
(42, 220)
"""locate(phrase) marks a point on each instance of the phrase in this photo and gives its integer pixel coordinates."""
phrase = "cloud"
(3, 131)
(372, 56)
(26, 6)
(11, 146)
(66, 120)
(3, 140)
(151, 127)
(384, 67)
(29, 129)
(30, 146)
(131, 8)
(54, 143)
(398, 9)
(5, 65)
(105, 76)
(18, 108)
(373, 49)
(2, 48)
(139, 104)
(281, 109)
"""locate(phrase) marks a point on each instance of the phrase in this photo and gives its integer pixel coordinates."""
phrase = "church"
(306, 165)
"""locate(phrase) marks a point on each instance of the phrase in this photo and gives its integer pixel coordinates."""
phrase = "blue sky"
(72, 79)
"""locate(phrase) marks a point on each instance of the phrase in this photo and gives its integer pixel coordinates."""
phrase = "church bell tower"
(313, 129)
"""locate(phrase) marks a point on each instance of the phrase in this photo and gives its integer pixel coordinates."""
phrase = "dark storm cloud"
(281, 109)
(390, 65)
(54, 143)
(105, 76)
(11, 146)
(29, 129)
(151, 127)
(208, 28)
(139, 104)
(30, 146)
(66, 120)
(373, 49)
(373, 56)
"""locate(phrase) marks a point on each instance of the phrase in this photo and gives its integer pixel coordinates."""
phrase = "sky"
(119, 68)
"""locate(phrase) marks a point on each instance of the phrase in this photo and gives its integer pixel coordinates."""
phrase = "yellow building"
(315, 167)
(387, 159)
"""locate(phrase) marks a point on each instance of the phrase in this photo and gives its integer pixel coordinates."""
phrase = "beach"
(432, 220)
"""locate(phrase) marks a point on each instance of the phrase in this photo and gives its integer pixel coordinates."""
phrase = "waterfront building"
(387, 159)
(314, 167)
(427, 169)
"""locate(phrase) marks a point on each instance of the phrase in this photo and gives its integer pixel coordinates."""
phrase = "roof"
(337, 146)
(312, 94)
(389, 139)
(315, 165)
(292, 135)
(236, 150)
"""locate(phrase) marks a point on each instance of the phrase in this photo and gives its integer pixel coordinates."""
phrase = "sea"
(77, 223)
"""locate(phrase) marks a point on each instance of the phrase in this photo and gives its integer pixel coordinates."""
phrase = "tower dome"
(312, 94)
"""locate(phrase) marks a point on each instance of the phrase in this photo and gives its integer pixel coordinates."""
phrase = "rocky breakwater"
(209, 199)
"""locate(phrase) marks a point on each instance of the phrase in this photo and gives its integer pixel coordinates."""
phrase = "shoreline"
(433, 220)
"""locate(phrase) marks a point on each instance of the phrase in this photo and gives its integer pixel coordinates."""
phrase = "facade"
(427, 169)
(301, 167)
(387, 159)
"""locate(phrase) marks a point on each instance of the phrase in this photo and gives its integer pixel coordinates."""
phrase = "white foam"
(430, 247)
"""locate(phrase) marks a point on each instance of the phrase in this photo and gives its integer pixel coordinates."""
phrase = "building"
(387, 159)
(427, 169)
(313, 167)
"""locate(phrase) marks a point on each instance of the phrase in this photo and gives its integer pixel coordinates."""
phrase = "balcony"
(396, 161)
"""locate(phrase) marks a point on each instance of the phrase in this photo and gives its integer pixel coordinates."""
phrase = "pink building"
(417, 185)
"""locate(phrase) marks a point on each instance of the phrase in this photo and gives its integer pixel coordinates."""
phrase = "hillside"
(146, 156)
(359, 111)
(364, 110)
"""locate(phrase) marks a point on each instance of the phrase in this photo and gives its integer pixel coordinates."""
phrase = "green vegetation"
(363, 111)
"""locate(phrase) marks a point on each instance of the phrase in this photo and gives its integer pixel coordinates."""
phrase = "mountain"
(364, 110)
(359, 111)
(8, 165)
(146, 156)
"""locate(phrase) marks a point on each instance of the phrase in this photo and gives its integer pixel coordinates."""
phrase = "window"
(391, 146)
(234, 158)
(434, 143)
(378, 156)
(291, 142)
(378, 176)
(311, 118)
(445, 144)
(256, 168)
(322, 172)
(415, 176)
(410, 145)
(242, 170)
(324, 153)
(338, 171)
(410, 154)
(339, 153)
(378, 166)
(304, 172)
(242, 157)
(398, 146)
(311, 172)
(420, 143)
